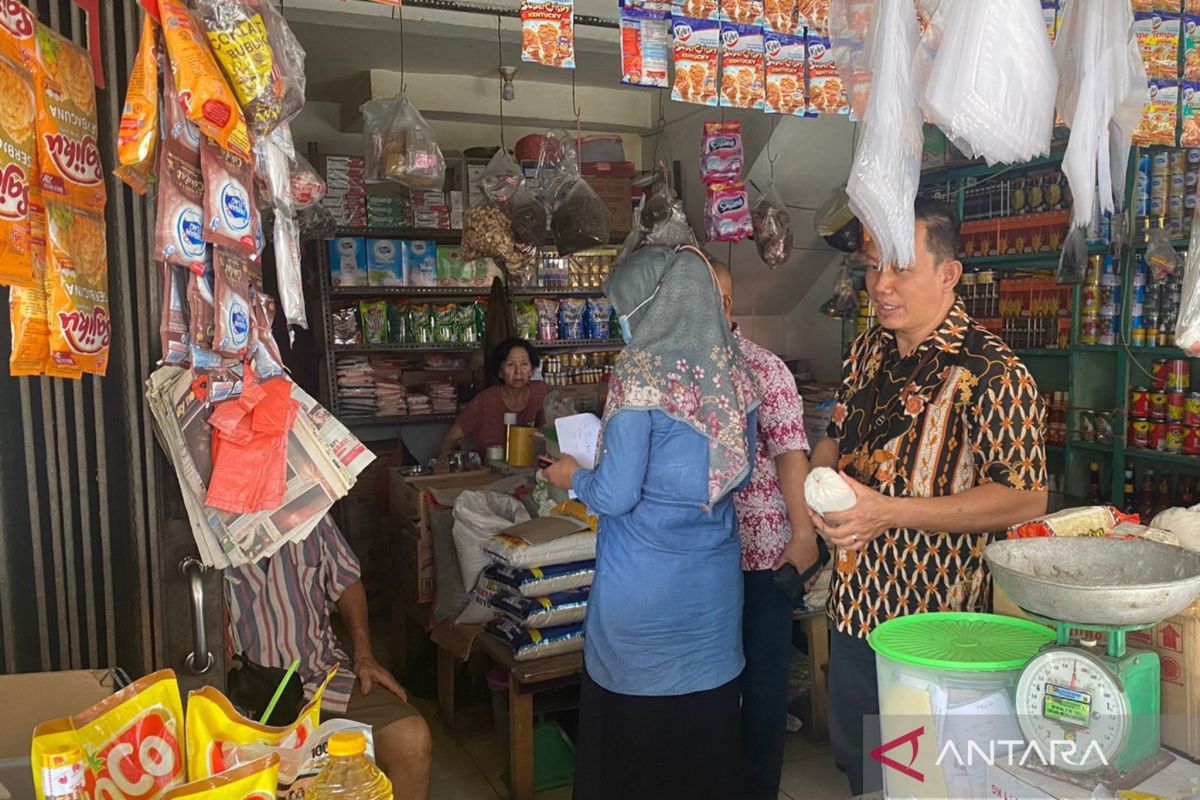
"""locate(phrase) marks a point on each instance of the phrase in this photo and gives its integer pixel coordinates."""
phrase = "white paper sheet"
(579, 437)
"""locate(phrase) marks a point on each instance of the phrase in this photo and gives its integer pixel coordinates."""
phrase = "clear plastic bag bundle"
(992, 84)
(845, 299)
(400, 145)
(579, 220)
(1161, 258)
(1072, 261)
(772, 228)
(503, 184)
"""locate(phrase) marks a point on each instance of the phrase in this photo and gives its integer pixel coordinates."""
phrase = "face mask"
(626, 331)
(626, 334)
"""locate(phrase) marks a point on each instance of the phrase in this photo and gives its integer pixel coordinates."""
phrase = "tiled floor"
(468, 767)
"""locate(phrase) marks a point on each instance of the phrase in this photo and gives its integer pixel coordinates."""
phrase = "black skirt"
(658, 748)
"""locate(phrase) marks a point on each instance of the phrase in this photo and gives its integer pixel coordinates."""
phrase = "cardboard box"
(408, 496)
(348, 261)
(415, 555)
(617, 195)
(420, 263)
(1177, 642)
(384, 267)
(1013, 782)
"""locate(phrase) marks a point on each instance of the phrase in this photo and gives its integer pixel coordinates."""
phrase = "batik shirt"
(960, 411)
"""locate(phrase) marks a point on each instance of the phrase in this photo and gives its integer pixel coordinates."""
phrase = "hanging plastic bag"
(316, 222)
(836, 223)
(1161, 258)
(307, 186)
(1072, 262)
(772, 228)
(579, 219)
(1187, 329)
(401, 146)
(503, 184)
(845, 299)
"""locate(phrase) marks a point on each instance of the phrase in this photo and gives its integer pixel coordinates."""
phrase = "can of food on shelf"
(1139, 433)
(1091, 298)
(1159, 183)
(1191, 410)
(1176, 402)
(1175, 209)
(1159, 371)
(1139, 402)
(1189, 200)
(1158, 435)
(1191, 441)
(1160, 162)
(1105, 426)
(1193, 156)
(1088, 325)
(1137, 337)
(1107, 330)
(1177, 160)
(1174, 440)
(1158, 405)
(1179, 375)
(1158, 205)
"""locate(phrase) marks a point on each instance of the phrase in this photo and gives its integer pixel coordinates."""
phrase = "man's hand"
(871, 516)
(371, 672)
(562, 472)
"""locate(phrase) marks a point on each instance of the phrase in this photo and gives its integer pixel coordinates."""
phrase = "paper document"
(579, 437)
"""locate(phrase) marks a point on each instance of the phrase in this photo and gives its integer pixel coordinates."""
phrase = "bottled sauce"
(1163, 501)
(1130, 503)
(1093, 490)
(1187, 492)
(349, 775)
(62, 773)
(1146, 499)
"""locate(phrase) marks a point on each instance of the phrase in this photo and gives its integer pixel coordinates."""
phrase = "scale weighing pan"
(1095, 580)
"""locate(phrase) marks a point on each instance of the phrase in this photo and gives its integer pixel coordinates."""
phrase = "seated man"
(279, 612)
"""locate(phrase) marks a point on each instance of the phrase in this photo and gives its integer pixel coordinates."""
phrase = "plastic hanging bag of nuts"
(772, 228)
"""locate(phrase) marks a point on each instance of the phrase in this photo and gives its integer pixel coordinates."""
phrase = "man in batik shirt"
(938, 429)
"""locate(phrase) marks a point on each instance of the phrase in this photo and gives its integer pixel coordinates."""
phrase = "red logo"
(14, 193)
(16, 19)
(138, 763)
(910, 739)
(1171, 638)
(86, 333)
(78, 161)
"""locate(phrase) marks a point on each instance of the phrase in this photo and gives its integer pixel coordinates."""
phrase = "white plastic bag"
(401, 146)
(1187, 330)
(478, 516)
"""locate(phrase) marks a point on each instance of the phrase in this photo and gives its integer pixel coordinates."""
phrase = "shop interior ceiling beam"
(464, 98)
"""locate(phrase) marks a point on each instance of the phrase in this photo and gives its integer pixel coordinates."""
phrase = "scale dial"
(1066, 695)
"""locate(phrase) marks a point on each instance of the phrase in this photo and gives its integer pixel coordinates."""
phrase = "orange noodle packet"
(137, 136)
(206, 97)
(77, 273)
(17, 28)
(18, 170)
(133, 741)
(27, 308)
(256, 780)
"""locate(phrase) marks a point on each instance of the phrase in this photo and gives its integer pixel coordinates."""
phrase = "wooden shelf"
(353, 422)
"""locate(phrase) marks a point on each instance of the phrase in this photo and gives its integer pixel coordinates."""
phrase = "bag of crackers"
(18, 169)
(77, 289)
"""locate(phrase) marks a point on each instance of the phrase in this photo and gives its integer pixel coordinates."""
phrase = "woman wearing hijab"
(659, 710)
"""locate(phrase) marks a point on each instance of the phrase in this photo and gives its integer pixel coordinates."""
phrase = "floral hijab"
(682, 359)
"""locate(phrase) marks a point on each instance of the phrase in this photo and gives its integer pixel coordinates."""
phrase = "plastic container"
(601, 148)
(952, 676)
(349, 775)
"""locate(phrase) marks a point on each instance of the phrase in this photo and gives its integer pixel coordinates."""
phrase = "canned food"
(1158, 368)
(1191, 410)
(1191, 441)
(1176, 184)
(1179, 375)
(1158, 184)
(1158, 435)
(1088, 325)
(1137, 337)
(1193, 155)
(1175, 406)
(1189, 179)
(1139, 402)
(1158, 405)
(1091, 299)
(1174, 441)
(1175, 204)
(1139, 433)
(1160, 162)
(1104, 427)
(1107, 330)
(1158, 205)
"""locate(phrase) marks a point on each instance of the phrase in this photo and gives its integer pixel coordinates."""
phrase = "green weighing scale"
(1086, 702)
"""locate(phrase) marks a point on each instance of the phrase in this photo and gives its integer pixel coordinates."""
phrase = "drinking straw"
(287, 676)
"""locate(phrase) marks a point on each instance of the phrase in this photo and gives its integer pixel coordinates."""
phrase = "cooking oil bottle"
(62, 773)
(349, 775)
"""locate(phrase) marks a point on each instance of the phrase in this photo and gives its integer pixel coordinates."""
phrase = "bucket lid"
(960, 641)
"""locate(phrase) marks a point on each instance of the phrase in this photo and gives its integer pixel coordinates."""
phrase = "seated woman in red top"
(482, 420)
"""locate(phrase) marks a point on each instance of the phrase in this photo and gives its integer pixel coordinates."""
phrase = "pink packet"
(721, 154)
(727, 213)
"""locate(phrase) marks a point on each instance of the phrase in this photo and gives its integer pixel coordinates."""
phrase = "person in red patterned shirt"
(775, 530)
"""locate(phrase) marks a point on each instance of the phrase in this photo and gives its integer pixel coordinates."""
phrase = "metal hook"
(770, 156)
(403, 80)
(500, 91)
(574, 105)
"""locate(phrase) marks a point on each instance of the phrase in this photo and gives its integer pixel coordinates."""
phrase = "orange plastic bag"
(18, 169)
(257, 780)
(133, 741)
(17, 28)
(206, 97)
(77, 274)
(27, 307)
(137, 136)
(68, 155)
(214, 728)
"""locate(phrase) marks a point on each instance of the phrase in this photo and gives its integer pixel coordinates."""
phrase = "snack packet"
(238, 36)
(645, 47)
(68, 155)
(525, 314)
(445, 324)
(231, 285)
(202, 316)
(814, 15)
(743, 12)
(178, 131)
(173, 322)
(1157, 126)
(77, 277)
(133, 740)
(547, 319)
(721, 154)
(210, 103)
(27, 307)
(779, 16)
(1158, 37)
(696, 9)
(826, 95)
(570, 319)
(1189, 109)
(255, 780)
(772, 228)
(230, 214)
(727, 213)
(697, 43)
(785, 74)
(467, 334)
(18, 170)
(420, 322)
(742, 66)
(137, 136)
(398, 313)
(548, 33)
(18, 26)
(374, 321)
(215, 729)
(599, 318)
(1191, 47)
(179, 227)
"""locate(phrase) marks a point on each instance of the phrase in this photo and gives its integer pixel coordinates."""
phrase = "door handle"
(200, 660)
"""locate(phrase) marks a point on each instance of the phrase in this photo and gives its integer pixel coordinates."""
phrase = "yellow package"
(132, 741)
(18, 172)
(77, 289)
(206, 97)
(137, 136)
(257, 780)
(214, 728)
(27, 307)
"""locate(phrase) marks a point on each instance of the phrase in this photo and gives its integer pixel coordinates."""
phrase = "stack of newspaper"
(324, 461)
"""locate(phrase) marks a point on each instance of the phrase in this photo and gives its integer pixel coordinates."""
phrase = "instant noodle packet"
(137, 135)
(18, 172)
(742, 78)
(697, 47)
(826, 94)
(548, 33)
(785, 74)
(206, 97)
(230, 213)
(133, 741)
(68, 154)
(215, 729)
(27, 307)
(256, 780)
(77, 273)
(18, 26)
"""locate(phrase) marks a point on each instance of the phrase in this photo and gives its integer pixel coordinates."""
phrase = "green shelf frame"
(1044, 353)
(976, 169)
(1176, 459)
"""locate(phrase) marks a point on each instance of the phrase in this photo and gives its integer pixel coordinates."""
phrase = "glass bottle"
(1093, 490)
(1146, 498)
(1130, 505)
